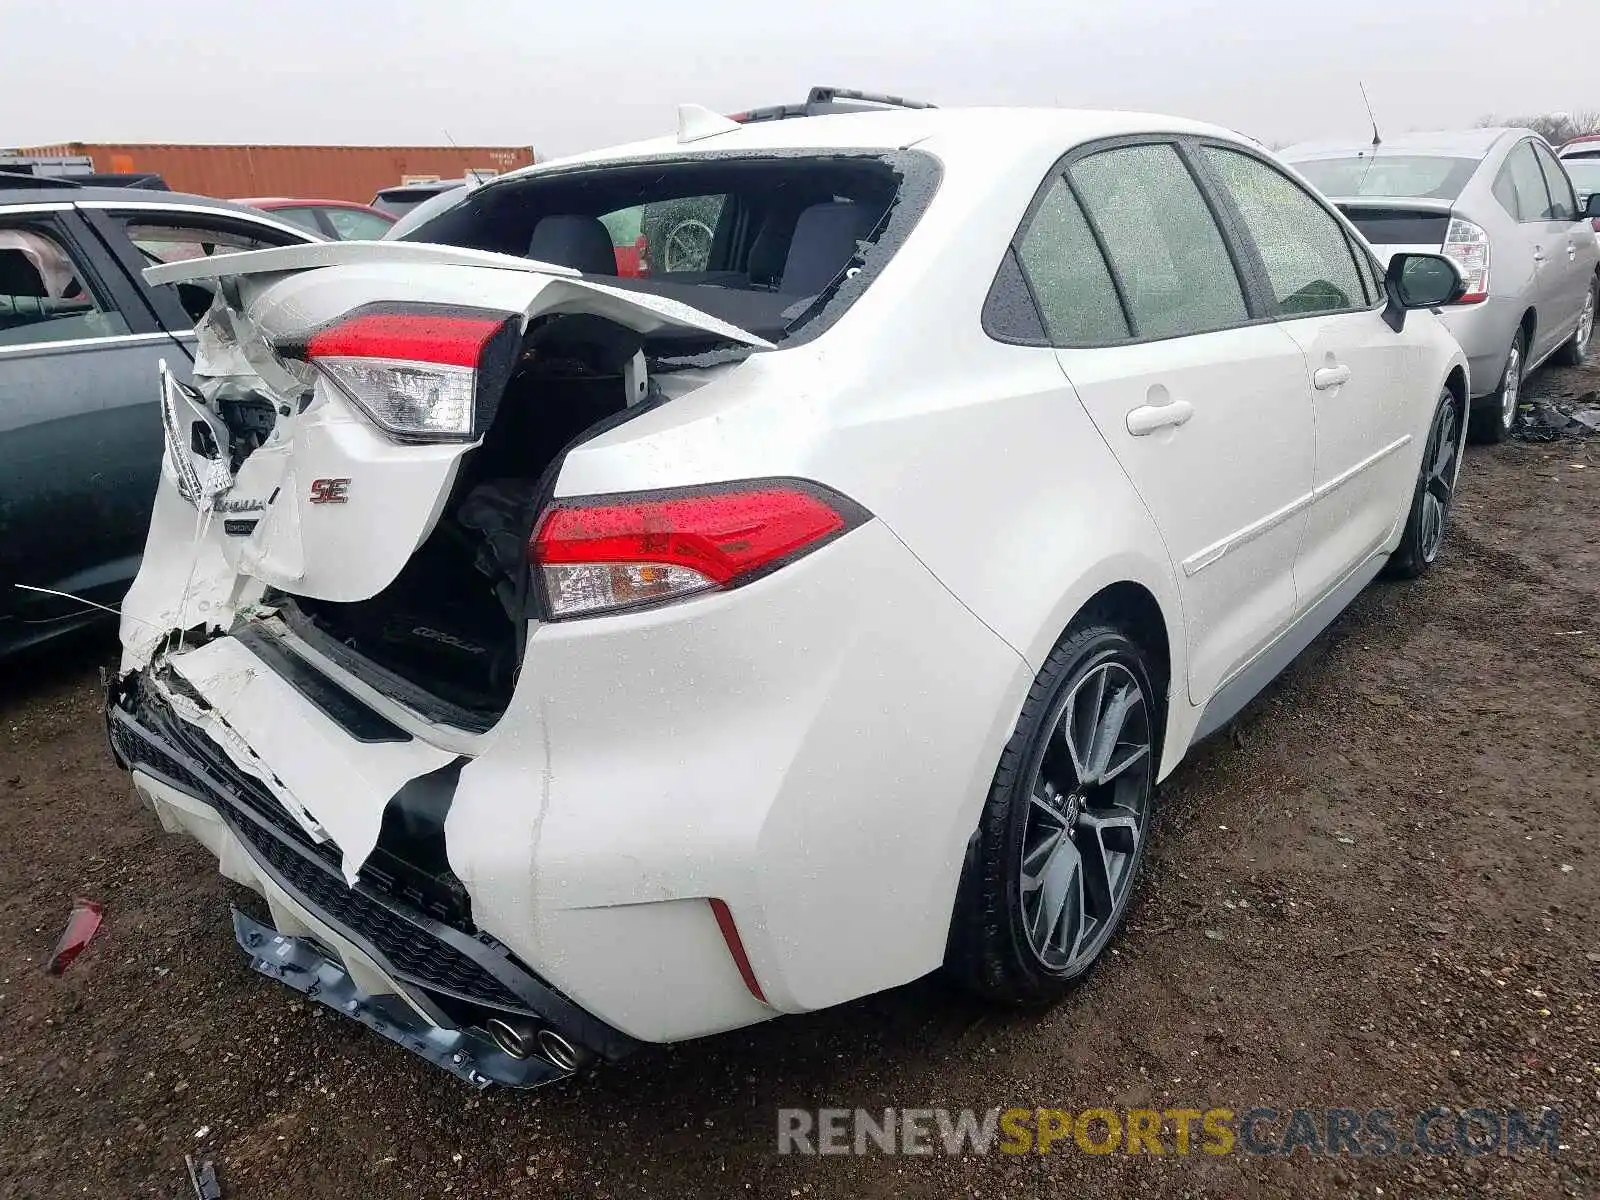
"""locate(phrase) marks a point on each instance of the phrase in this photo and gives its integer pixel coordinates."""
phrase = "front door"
(1356, 373)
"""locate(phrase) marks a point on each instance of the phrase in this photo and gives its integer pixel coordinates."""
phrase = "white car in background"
(1499, 203)
(585, 661)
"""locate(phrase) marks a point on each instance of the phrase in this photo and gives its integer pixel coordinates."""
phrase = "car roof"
(304, 202)
(135, 198)
(432, 185)
(1456, 143)
(998, 129)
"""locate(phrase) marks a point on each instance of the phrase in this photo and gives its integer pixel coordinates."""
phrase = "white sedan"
(574, 660)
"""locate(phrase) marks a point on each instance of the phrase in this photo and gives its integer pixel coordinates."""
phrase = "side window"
(44, 294)
(353, 225)
(1527, 182)
(1563, 203)
(1164, 246)
(1505, 191)
(678, 233)
(1068, 275)
(163, 242)
(173, 239)
(626, 227)
(1307, 257)
(306, 218)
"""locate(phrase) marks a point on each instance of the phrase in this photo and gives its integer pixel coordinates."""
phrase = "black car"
(81, 337)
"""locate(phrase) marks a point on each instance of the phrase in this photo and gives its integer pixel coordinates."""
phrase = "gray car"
(81, 334)
(1501, 205)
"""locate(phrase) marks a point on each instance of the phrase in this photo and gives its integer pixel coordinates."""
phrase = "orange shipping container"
(308, 172)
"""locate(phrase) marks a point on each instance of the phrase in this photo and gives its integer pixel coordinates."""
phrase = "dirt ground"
(1380, 888)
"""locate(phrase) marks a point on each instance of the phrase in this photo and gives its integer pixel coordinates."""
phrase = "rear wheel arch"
(1135, 608)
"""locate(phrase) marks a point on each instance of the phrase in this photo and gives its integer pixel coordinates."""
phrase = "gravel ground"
(1379, 888)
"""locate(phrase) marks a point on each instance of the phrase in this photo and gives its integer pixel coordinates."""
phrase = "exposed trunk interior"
(446, 636)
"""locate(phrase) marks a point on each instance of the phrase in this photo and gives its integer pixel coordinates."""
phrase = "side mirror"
(1592, 209)
(1420, 281)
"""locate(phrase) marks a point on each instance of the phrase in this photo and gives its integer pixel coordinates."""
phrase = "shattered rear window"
(778, 243)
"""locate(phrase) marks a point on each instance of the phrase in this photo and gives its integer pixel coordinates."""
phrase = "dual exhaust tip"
(523, 1040)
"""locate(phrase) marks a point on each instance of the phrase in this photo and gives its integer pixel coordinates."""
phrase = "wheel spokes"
(1108, 840)
(1085, 811)
(1055, 914)
(1100, 716)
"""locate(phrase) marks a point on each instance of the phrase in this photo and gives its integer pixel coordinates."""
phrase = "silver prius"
(1500, 203)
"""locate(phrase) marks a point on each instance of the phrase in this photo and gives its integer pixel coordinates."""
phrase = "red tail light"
(606, 553)
(1468, 244)
(421, 372)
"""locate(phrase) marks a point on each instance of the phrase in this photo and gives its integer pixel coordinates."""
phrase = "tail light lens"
(1468, 244)
(421, 372)
(607, 553)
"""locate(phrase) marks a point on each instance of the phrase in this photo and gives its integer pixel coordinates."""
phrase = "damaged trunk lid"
(338, 387)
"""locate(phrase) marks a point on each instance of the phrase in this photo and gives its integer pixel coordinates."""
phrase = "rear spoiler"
(1394, 204)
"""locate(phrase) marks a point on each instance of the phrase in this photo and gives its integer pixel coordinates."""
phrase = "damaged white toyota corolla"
(573, 660)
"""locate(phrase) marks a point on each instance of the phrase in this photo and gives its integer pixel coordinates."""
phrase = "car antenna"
(1376, 139)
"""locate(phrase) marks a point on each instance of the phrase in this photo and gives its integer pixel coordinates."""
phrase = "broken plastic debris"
(1552, 420)
(203, 1179)
(81, 925)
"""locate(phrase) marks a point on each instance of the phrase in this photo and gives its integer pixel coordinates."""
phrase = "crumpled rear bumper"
(427, 985)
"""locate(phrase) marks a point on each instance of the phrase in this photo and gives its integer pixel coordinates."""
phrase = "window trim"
(60, 223)
(1505, 165)
(109, 220)
(248, 217)
(1248, 267)
(1544, 156)
(1263, 279)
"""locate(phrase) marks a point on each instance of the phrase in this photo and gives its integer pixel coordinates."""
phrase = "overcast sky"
(568, 76)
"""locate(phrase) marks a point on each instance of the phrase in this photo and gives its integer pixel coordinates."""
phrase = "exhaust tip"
(560, 1051)
(516, 1039)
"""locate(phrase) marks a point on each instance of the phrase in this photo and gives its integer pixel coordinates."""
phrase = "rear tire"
(1431, 498)
(1493, 421)
(1575, 350)
(1064, 829)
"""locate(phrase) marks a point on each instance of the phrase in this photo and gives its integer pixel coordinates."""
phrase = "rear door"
(1572, 261)
(1540, 244)
(1365, 404)
(80, 436)
(1203, 401)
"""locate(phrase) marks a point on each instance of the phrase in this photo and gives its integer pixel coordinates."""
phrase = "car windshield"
(765, 242)
(1407, 176)
(418, 214)
(401, 200)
